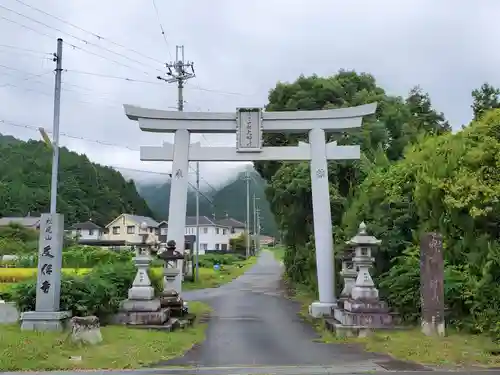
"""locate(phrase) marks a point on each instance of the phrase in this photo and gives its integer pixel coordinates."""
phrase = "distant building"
(214, 235)
(127, 227)
(27, 222)
(236, 228)
(87, 230)
(266, 240)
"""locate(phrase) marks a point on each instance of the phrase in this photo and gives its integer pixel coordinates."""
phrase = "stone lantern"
(141, 287)
(362, 311)
(170, 271)
(170, 297)
(364, 287)
(141, 307)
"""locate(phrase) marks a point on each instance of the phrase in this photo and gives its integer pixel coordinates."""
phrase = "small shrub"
(94, 292)
(239, 244)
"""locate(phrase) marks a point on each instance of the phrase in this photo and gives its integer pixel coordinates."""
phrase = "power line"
(111, 76)
(25, 49)
(72, 36)
(98, 36)
(161, 28)
(31, 76)
(106, 58)
(196, 87)
(27, 27)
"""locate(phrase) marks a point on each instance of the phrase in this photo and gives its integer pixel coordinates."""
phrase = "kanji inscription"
(249, 130)
(49, 262)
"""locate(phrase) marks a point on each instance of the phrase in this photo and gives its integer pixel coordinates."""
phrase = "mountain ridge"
(227, 201)
(86, 190)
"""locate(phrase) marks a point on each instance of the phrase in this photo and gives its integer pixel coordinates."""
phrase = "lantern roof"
(362, 238)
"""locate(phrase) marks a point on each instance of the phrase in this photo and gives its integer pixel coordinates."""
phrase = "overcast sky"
(240, 49)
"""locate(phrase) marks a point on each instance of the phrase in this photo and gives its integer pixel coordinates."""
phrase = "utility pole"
(255, 220)
(197, 222)
(247, 224)
(254, 214)
(55, 129)
(257, 241)
(178, 73)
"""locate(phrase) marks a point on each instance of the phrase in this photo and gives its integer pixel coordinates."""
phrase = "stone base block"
(433, 328)
(45, 321)
(342, 330)
(152, 318)
(364, 319)
(140, 305)
(366, 305)
(143, 293)
(321, 309)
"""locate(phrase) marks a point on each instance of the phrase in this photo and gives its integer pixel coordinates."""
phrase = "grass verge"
(122, 348)
(457, 349)
(210, 278)
(278, 252)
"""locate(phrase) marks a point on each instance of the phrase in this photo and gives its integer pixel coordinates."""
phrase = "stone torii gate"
(249, 124)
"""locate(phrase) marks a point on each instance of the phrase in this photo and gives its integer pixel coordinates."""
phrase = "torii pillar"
(249, 124)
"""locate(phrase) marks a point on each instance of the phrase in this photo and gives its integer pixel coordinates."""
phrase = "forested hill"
(86, 190)
(229, 200)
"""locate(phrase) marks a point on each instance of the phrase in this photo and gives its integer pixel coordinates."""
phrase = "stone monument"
(48, 292)
(249, 124)
(432, 284)
(141, 307)
(362, 311)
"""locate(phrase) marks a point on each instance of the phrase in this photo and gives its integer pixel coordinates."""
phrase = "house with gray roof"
(214, 234)
(236, 228)
(27, 221)
(131, 228)
(87, 230)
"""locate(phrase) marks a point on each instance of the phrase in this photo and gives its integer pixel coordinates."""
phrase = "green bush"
(96, 293)
(239, 244)
(17, 232)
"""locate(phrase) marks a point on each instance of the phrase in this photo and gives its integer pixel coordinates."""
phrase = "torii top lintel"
(333, 120)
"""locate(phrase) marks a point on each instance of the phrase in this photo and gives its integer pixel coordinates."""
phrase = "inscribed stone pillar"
(432, 284)
(47, 315)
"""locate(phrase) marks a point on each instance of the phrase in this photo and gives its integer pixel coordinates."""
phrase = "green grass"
(122, 348)
(454, 350)
(210, 278)
(278, 252)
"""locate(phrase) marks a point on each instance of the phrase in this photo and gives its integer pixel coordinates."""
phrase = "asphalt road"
(253, 324)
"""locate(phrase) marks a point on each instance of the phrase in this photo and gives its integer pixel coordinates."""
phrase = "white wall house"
(87, 231)
(236, 228)
(212, 235)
